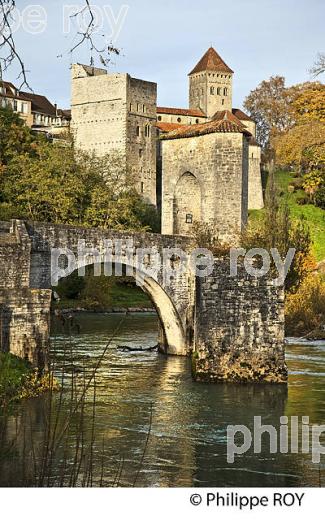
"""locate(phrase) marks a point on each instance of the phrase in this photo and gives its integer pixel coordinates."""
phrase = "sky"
(161, 41)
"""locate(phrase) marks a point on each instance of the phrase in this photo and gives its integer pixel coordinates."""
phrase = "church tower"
(211, 84)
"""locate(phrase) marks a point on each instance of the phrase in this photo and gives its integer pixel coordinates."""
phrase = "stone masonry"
(205, 180)
(239, 328)
(24, 312)
(117, 113)
(233, 327)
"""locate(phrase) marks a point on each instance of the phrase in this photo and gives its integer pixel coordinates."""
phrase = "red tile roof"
(211, 61)
(228, 116)
(241, 115)
(168, 127)
(180, 111)
(224, 126)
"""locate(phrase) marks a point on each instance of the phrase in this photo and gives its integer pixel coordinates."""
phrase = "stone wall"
(15, 250)
(142, 136)
(239, 328)
(180, 119)
(24, 324)
(255, 188)
(24, 312)
(219, 162)
(98, 110)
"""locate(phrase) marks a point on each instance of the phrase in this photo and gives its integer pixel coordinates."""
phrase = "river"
(187, 441)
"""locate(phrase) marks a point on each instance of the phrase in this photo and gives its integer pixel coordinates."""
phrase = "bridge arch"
(169, 318)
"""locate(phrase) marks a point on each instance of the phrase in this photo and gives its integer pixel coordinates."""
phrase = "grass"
(118, 296)
(19, 380)
(314, 217)
(13, 374)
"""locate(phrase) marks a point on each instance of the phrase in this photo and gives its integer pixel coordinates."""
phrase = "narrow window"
(159, 118)
(140, 152)
(143, 108)
(197, 121)
(212, 91)
(225, 91)
(142, 187)
(179, 120)
(138, 131)
(219, 91)
(189, 218)
(223, 102)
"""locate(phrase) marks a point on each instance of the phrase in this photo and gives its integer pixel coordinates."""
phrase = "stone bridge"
(233, 327)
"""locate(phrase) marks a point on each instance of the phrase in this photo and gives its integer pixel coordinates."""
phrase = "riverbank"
(103, 294)
(69, 306)
(19, 380)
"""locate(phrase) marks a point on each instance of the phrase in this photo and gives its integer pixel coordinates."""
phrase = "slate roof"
(41, 104)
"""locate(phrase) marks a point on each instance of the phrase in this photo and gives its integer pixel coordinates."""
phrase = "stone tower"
(211, 84)
(117, 113)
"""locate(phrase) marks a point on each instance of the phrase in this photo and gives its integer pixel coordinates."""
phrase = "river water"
(154, 426)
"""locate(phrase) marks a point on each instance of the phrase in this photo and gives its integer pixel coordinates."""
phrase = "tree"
(15, 137)
(45, 187)
(276, 108)
(319, 65)
(303, 146)
(89, 35)
(56, 183)
(308, 102)
(278, 230)
(268, 105)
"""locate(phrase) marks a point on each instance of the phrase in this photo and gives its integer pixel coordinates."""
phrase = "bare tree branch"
(89, 35)
(9, 54)
(8, 51)
(319, 65)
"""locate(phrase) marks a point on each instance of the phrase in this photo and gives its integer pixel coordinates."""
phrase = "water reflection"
(187, 442)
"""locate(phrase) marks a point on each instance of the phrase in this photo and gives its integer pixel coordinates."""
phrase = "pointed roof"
(211, 61)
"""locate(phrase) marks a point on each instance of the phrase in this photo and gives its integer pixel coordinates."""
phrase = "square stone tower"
(211, 84)
(115, 112)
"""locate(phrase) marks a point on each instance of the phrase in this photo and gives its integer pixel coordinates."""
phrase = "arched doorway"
(187, 204)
